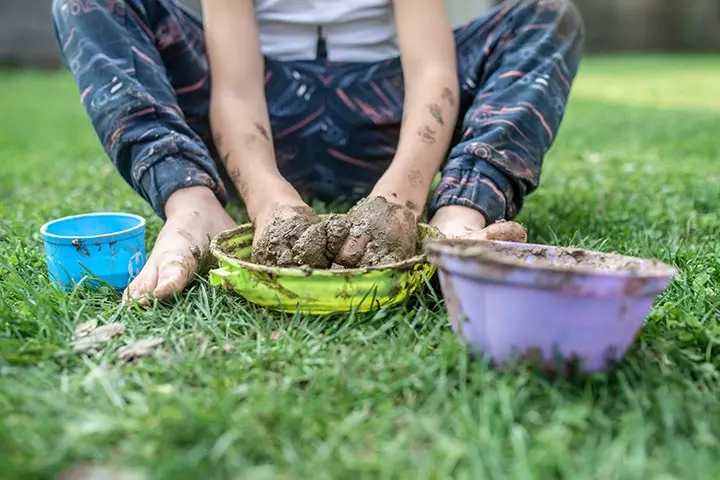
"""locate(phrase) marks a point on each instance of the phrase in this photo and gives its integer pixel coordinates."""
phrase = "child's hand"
(458, 221)
(278, 230)
(194, 216)
(381, 232)
(464, 222)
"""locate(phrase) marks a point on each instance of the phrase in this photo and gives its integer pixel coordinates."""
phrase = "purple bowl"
(555, 306)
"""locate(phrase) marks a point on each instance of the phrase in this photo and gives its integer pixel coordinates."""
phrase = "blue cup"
(96, 248)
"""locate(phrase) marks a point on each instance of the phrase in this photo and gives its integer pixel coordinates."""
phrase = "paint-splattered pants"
(143, 77)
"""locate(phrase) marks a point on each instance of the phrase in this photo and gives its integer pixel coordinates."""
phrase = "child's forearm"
(431, 109)
(241, 132)
(238, 109)
(427, 52)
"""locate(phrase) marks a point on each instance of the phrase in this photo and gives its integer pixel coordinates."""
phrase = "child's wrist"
(458, 220)
(262, 193)
(409, 190)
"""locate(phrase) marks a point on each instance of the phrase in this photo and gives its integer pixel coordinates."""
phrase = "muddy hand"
(503, 231)
(318, 246)
(293, 236)
(381, 232)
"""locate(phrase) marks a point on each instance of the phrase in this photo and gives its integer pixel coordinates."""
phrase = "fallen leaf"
(100, 472)
(141, 348)
(85, 328)
(95, 339)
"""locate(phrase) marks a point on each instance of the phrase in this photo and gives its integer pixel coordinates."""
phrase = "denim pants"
(144, 81)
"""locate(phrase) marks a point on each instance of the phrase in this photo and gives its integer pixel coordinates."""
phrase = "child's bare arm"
(238, 109)
(427, 51)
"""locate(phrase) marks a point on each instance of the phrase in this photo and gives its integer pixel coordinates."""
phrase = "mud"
(275, 246)
(374, 232)
(572, 258)
(503, 231)
(318, 246)
(196, 253)
(381, 232)
(299, 238)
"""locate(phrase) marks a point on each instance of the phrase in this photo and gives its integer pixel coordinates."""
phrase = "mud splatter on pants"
(143, 78)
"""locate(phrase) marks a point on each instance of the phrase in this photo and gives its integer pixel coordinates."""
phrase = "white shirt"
(354, 30)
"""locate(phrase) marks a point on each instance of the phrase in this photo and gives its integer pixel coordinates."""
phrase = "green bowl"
(315, 292)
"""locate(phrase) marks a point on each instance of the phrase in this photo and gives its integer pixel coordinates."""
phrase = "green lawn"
(636, 170)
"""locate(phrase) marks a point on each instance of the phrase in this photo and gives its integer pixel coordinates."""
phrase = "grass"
(636, 169)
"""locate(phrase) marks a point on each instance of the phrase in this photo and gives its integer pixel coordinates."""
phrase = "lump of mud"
(275, 247)
(301, 239)
(503, 231)
(381, 232)
(318, 246)
(374, 232)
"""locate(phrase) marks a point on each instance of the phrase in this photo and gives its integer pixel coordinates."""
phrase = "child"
(322, 98)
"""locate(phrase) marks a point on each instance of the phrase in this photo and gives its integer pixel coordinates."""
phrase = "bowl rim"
(305, 272)
(470, 249)
(105, 237)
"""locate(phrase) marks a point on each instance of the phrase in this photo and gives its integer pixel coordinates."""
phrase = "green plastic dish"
(315, 292)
